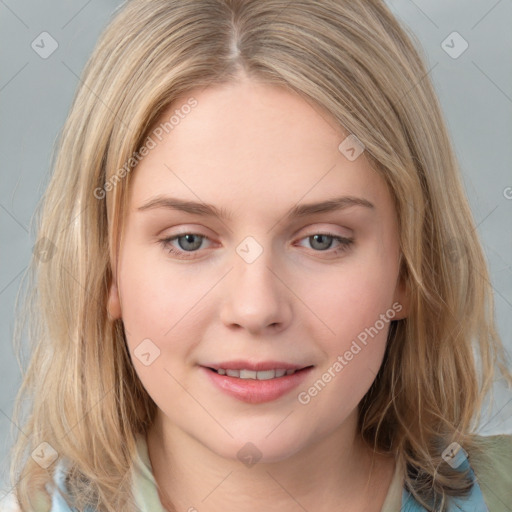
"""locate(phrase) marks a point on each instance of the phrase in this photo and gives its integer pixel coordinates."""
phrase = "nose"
(255, 296)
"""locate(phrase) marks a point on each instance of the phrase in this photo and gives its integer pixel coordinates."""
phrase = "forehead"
(250, 146)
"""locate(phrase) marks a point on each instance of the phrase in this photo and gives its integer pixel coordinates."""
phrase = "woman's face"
(261, 280)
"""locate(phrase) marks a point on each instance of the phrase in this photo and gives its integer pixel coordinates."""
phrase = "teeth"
(251, 374)
(265, 374)
(248, 374)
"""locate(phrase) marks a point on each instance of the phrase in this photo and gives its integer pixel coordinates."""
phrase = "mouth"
(273, 373)
(261, 382)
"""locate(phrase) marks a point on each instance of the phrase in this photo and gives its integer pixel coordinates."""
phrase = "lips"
(263, 370)
(256, 382)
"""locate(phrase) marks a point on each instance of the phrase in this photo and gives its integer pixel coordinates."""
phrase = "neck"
(338, 472)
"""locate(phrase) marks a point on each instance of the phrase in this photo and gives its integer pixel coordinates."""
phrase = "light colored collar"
(393, 501)
(144, 483)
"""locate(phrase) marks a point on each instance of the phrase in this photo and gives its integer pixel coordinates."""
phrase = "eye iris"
(191, 242)
(315, 238)
(188, 239)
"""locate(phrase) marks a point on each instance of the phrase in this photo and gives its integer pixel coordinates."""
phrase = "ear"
(113, 303)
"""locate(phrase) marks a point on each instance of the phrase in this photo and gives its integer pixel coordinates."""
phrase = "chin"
(256, 447)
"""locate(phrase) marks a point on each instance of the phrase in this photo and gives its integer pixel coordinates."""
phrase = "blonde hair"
(353, 59)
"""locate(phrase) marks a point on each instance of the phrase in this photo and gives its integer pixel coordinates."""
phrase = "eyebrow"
(297, 211)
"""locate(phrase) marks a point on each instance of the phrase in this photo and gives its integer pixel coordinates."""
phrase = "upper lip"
(254, 365)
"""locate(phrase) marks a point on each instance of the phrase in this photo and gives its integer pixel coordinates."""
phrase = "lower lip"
(257, 391)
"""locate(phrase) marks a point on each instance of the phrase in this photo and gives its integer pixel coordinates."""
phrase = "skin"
(257, 150)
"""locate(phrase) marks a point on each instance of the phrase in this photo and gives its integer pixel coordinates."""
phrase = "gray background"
(475, 90)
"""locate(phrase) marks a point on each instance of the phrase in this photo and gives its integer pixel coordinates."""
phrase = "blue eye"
(190, 243)
(322, 238)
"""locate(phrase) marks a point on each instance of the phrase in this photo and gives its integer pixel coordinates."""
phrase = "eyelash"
(165, 242)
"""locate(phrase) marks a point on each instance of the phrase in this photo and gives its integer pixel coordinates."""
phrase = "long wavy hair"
(355, 61)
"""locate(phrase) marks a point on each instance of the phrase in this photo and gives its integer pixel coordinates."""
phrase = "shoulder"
(491, 461)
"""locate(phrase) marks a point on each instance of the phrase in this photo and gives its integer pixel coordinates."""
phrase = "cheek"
(153, 297)
(158, 310)
(355, 306)
(352, 298)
